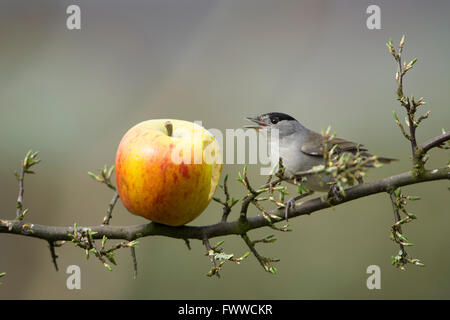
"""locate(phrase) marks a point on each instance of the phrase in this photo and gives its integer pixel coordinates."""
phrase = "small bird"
(301, 149)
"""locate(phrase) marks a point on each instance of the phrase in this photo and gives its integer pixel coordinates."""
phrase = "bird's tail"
(379, 159)
(386, 160)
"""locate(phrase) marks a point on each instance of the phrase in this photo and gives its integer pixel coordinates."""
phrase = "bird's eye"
(274, 120)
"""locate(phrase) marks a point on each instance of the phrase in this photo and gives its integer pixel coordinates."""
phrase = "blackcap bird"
(300, 149)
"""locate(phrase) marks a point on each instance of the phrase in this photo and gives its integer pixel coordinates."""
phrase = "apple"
(167, 170)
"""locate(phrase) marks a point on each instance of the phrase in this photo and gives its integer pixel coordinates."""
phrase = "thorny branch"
(438, 142)
(53, 254)
(113, 202)
(251, 196)
(209, 251)
(216, 253)
(419, 152)
(410, 105)
(29, 161)
(237, 227)
(228, 203)
(398, 204)
(265, 262)
(105, 177)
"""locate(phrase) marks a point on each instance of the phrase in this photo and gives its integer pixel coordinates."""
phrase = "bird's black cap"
(270, 118)
(279, 116)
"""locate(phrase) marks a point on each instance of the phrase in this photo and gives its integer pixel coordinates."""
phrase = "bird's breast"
(295, 161)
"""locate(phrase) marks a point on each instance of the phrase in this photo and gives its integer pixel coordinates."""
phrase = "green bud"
(395, 115)
(110, 257)
(218, 244)
(402, 41)
(217, 200)
(245, 255)
(111, 170)
(94, 176)
(412, 62)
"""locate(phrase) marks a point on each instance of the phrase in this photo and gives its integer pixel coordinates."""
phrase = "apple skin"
(152, 185)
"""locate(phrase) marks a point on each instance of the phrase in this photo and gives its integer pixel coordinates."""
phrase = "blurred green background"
(73, 94)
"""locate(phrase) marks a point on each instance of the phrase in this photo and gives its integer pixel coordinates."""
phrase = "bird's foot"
(360, 180)
(334, 193)
(290, 204)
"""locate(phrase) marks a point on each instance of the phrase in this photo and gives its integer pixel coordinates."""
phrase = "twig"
(29, 161)
(188, 243)
(214, 268)
(93, 248)
(208, 248)
(110, 208)
(227, 207)
(21, 191)
(398, 204)
(397, 218)
(53, 254)
(266, 263)
(104, 176)
(252, 194)
(410, 105)
(435, 142)
(252, 248)
(133, 256)
(228, 203)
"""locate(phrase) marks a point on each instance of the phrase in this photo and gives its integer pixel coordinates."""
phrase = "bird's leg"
(360, 180)
(290, 204)
(335, 193)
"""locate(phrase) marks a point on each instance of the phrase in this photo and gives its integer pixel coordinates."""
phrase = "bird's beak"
(257, 121)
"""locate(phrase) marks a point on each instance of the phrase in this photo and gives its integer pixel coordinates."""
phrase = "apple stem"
(169, 128)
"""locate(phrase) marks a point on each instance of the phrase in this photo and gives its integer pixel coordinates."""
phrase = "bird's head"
(283, 122)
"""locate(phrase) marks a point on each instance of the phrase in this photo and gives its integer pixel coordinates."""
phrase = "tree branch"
(53, 254)
(435, 142)
(20, 177)
(110, 208)
(29, 161)
(266, 263)
(133, 257)
(398, 228)
(238, 227)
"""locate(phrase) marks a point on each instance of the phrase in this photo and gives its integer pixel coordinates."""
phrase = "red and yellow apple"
(167, 170)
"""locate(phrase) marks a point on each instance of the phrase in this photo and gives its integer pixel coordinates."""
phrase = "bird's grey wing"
(315, 145)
